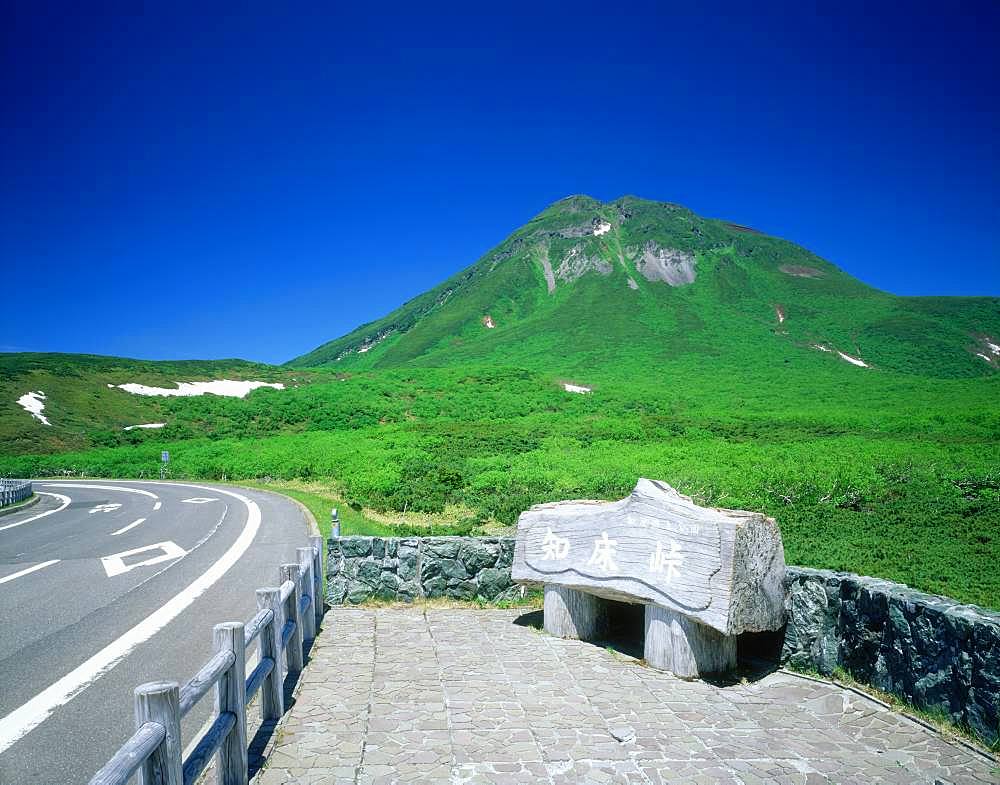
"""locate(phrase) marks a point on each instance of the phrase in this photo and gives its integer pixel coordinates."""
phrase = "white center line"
(29, 570)
(156, 506)
(124, 529)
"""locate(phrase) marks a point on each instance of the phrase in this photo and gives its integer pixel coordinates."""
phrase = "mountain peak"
(587, 283)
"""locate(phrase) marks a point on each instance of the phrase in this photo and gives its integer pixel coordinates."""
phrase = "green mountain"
(598, 344)
(587, 285)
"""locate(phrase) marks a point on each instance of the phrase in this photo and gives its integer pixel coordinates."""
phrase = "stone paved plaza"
(467, 696)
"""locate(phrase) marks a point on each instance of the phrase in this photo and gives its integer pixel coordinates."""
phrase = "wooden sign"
(722, 568)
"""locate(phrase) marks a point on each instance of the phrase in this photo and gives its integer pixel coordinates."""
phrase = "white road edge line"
(124, 529)
(6, 578)
(65, 503)
(150, 494)
(22, 720)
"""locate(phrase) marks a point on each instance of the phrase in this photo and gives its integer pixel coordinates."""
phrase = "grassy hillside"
(873, 473)
(738, 367)
(85, 412)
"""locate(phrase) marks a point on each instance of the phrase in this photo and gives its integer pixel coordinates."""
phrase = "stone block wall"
(405, 568)
(935, 652)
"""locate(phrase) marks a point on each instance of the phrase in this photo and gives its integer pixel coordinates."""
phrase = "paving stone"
(469, 697)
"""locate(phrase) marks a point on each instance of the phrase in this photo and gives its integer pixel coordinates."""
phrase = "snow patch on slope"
(780, 313)
(602, 227)
(853, 360)
(488, 322)
(34, 403)
(225, 387)
(576, 388)
(145, 425)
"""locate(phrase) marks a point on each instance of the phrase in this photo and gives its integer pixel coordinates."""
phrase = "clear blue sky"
(194, 183)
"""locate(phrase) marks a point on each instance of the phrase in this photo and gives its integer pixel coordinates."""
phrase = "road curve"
(108, 584)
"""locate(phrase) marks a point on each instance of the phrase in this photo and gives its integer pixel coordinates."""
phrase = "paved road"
(466, 697)
(108, 584)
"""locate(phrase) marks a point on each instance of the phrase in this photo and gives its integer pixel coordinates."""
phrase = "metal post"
(230, 695)
(290, 572)
(308, 587)
(272, 696)
(317, 546)
(159, 701)
(334, 523)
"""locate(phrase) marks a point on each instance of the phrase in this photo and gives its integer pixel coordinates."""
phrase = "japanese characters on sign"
(665, 559)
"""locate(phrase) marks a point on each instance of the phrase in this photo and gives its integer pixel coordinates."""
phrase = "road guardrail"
(14, 491)
(287, 615)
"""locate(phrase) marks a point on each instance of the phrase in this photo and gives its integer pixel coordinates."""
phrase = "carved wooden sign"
(722, 568)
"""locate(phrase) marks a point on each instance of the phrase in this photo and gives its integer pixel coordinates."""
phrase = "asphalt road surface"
(108, 584)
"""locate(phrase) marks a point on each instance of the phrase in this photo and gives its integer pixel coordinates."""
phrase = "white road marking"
(65, 503)
(157, 506)
(100, 488)
(199, 500)
(29, 570)
(105, 508)
(31, 714)
(115, 563)
(124, 529)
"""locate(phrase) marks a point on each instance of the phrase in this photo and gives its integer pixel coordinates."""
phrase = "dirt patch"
(669, 265)
(576, 264)
(798, 271)
(543, 258)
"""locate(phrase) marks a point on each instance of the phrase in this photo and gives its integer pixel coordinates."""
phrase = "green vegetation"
(444, 425)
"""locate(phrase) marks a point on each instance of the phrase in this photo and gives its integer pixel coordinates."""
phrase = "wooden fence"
(287, 615)
(14, 491)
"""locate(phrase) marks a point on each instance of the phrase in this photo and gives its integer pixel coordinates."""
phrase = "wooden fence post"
(291, 572)
(272, 696)
(230, 695)
(308, 586)
(318, 568)
(159, 701)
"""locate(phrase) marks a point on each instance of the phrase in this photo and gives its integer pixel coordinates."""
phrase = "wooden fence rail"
(14, 491)
(287, 615)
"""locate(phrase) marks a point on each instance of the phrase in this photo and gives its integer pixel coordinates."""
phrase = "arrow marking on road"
(115, 563)
(105, 508)
(199, 500)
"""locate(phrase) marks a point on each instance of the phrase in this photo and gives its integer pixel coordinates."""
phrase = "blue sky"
(188, 182)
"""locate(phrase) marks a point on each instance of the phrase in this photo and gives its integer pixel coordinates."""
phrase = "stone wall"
(405, 568)
(930, 650)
